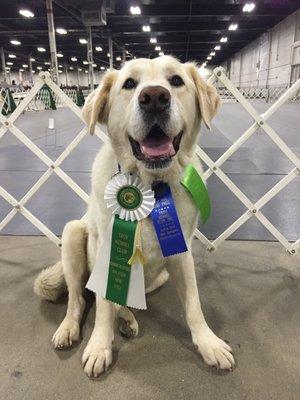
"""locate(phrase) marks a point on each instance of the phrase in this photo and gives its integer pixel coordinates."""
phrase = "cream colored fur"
(119, 109)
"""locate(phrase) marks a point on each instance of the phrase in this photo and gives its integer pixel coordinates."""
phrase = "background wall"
(72, 77)
(268, 60)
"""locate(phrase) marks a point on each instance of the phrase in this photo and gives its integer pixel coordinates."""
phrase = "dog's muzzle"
(157, 149)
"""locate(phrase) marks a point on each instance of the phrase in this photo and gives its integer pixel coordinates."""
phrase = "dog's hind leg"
(74, 264)
(128, 325)
(159, 281)
(50, 284)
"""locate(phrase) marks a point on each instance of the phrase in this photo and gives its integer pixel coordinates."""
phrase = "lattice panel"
(218, 78)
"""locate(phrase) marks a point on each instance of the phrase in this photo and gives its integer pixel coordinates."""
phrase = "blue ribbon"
(166, 222)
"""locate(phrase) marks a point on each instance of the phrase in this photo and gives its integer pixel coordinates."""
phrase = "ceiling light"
(7, 68)
(223, 39)
(33, 71)
(212, 53)
(79, 69)
(83, 41)
(26, 13)
(157, 48)
(47, 63)
(60, 72)
(108, 55)
(21, 70)
(32, 59)
(217, 47)
(94, 65)
(98, 48)
(41, 49)
(135, 10)
(86, 71)
(118, 58)
(59, 55)
(39, 68)
(102, 68)
(146, 28)
(11, 56)
(85, 62)
(25, 65)
(126, 51)
(15, 42)
(208, 58)
(73, 59)
(248, 7)
(60, 66)
(233, 27)
(71, 68)
(61, 31)
(9, 63)
(153, 40)
(161, 53)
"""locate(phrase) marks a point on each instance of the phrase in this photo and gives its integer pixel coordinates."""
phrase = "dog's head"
(152, 109)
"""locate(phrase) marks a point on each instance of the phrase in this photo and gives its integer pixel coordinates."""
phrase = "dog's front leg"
(97, 355)
(213, 350)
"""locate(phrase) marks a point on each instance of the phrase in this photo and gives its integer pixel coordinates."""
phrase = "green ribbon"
(196, 187)
(122, 245)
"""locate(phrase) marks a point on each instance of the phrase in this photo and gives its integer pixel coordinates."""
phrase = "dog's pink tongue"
(157, 148)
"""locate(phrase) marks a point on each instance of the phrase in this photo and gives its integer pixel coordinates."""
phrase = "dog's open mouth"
(157, 149)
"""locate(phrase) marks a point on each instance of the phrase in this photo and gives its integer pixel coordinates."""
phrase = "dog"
(153, 109)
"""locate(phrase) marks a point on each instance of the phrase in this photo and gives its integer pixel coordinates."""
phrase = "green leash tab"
(196, 187)
(122, 244)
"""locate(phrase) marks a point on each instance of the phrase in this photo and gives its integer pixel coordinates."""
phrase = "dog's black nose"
(154, 98)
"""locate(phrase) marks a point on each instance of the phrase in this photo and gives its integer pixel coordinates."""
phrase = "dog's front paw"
(215, 351)
(96, 359)
(67, 333)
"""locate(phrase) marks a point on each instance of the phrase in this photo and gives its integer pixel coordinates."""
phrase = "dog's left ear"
(96, 105)
(208, 98)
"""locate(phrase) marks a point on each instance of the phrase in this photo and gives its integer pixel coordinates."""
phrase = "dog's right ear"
(208, 98)
(95, 108)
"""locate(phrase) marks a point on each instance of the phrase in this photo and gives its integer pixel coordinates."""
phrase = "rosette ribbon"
(118, 274)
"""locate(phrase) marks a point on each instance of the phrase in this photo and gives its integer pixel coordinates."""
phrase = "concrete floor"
(250, 295)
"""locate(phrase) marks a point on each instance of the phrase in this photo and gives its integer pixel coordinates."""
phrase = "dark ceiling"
(188, 29)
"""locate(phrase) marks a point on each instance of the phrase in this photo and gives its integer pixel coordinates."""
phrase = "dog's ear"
(95, 107)
(208, 98)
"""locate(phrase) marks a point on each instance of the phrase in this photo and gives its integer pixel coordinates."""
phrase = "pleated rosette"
(127, 197)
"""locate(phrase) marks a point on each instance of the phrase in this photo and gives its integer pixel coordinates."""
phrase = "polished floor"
(255, 168)
(250, 296)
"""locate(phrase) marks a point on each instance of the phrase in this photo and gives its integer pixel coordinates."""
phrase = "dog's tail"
(50, 284)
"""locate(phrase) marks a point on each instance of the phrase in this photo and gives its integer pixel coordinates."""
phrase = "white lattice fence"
(253, 209)
(268, 95)
(72, 93)
(41, 100)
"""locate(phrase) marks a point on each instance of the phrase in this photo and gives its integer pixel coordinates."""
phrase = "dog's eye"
(129, 84)
(176, 81)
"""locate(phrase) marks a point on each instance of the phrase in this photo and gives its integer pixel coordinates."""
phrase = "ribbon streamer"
(166, 223)
(196, 187)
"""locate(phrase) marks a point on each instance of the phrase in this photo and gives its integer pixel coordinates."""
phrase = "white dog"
(153, 110)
